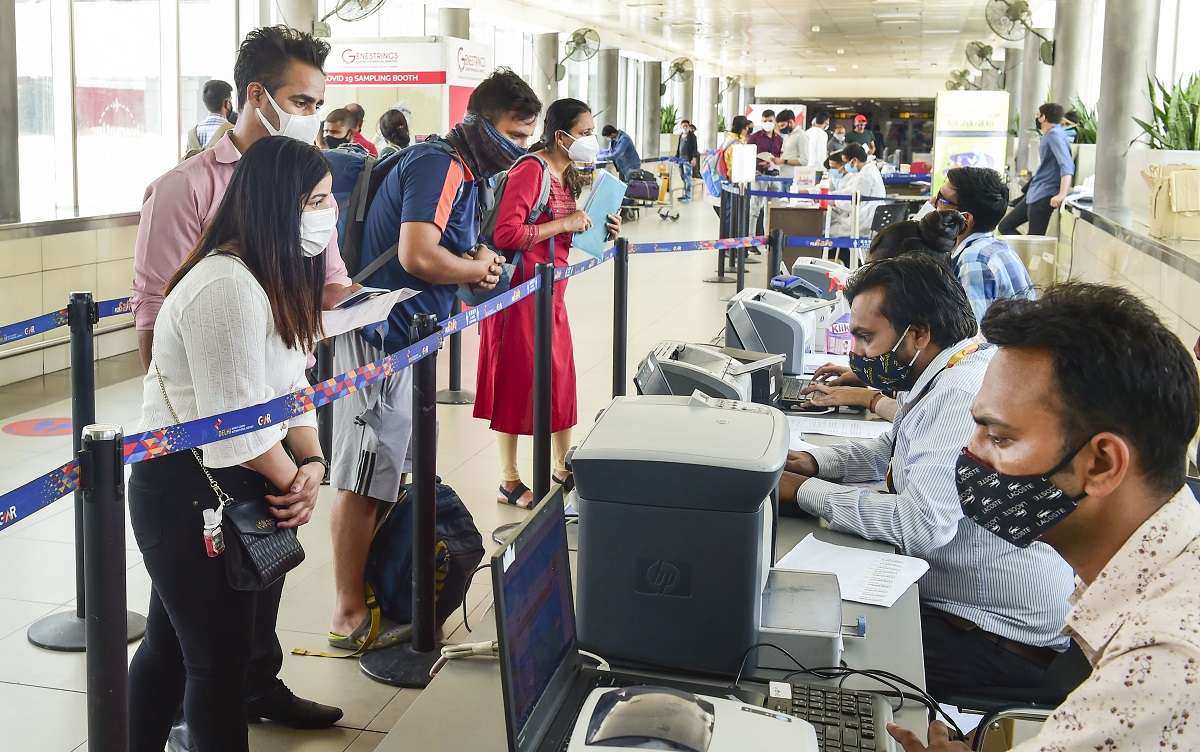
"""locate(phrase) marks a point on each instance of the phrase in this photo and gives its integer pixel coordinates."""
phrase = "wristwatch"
(310, 460)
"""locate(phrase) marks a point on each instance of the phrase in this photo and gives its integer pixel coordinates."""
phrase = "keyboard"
(792, 388)
(845, 720)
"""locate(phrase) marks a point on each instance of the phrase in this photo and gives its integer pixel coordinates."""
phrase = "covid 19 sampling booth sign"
(431, 77)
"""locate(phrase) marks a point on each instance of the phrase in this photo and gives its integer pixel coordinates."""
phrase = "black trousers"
(961, 663)
(203, 639)
(1036, 214)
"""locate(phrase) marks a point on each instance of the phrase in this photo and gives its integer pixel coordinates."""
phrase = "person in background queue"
(985, 265)
(338, 131)
(990, 611)
(504, 376)
(862, 176)
(837, 141)
(688, 154)
(425, 220)
(1052, 181)
(621, 152)
(218, 100)
(240, 316)
(281, 85)
(862, 135)
(360, 117)
(393, 126)
(1097, 455)
(817, 138)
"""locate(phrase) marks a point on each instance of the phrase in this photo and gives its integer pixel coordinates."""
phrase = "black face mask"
(786, 131)
(334, 142)
(1018, 508)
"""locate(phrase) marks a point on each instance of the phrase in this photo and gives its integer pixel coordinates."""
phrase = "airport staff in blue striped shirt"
(991, 613)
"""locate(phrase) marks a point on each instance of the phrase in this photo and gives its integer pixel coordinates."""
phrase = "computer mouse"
(652, 718)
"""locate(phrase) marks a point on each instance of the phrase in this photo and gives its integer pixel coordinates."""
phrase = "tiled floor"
(42, 705)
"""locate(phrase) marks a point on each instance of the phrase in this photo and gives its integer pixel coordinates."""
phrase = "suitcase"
(642, 185)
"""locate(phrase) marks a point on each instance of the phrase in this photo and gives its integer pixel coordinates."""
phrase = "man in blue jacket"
(621, 152)
(1052, 181)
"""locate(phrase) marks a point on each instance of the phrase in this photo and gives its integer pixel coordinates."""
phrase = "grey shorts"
(372, 427)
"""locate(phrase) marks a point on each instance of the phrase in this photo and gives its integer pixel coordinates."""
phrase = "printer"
(675, 538)
(773, 322)
(828, 277)
(681, 368)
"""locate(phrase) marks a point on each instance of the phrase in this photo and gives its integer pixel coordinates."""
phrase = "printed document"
(871, 577)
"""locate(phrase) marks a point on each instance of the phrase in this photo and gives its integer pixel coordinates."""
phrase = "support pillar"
(1130, 49)
(651, 102)
(706, 113)
(545, 61)
(684, 88)
(10, 162)
(1072, 49)
(299, 14)
(1035, 85)
(1013, 85)
(608, 92)
(454, 22)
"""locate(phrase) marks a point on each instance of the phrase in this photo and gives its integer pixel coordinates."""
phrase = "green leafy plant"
(1085, 123)
(1176, 121)
(720, 122)
(667, 117)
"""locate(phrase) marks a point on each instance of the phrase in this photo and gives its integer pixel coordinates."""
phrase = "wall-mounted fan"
(1011, 20)
(583, 44)
(960, 79)
(731, 83)
(347, 10)
(980, 56)
(681, 68)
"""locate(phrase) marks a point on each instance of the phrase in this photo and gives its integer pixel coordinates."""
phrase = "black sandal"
(513, 497)
(568, 483)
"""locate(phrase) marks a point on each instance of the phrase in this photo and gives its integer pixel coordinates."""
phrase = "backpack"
(458, 549)
(714, 170)
(491, 205)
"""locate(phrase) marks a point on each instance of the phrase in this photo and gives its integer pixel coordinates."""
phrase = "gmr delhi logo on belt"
(470, 63)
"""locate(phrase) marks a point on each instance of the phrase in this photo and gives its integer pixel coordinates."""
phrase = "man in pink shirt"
(280, 86)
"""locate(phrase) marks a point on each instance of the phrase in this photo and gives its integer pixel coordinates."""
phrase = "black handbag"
(257, 551)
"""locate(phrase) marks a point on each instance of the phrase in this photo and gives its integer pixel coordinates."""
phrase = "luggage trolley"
(641, 193)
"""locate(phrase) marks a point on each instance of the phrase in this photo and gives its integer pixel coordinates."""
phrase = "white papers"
(358, 296)
(369, 311)
(853, 429)
(814, 360)
(871, 577)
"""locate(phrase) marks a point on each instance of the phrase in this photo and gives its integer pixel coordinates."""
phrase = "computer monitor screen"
(536, 614)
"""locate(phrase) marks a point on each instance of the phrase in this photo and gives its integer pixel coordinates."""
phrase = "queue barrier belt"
(40, 492)
(50, 321)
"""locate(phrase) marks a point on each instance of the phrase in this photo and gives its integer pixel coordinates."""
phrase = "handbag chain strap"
(222, 497)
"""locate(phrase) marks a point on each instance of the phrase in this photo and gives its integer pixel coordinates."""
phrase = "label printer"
(680, 368)
(773, 322)
(676, 533)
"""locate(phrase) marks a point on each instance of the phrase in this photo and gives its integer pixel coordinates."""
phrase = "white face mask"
(584, 148)
(303, 128)
(316, 230)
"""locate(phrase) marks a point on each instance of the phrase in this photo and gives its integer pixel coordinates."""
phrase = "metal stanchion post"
(725, 230)
(325, 412)
(543, 383)
(102, 492)
(741, 267)
(408, 665)
(455, 395)
(620, 316)
(774, 255)
(854, 209)
(66, 631)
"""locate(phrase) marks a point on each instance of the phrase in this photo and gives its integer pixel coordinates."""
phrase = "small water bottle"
(214, 536)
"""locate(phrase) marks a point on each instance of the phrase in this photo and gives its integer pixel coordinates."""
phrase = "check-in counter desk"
(1115, 248)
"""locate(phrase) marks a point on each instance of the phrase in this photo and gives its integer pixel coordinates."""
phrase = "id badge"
(214, 536)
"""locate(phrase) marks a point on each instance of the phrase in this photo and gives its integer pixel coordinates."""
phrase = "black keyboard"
(845, 720)
(792, 388)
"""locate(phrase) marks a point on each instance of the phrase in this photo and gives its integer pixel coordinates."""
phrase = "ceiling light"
(816, 28)
(831, 68)
(901, 15)
(854, 66)
(841, 51)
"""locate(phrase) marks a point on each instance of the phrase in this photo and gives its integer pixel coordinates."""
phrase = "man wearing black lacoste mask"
(991, 613)
(1085, 413)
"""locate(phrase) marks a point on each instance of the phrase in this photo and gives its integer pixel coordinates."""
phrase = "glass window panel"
(1187, 52)
(207, 50)
(118, 95)
(39, 184)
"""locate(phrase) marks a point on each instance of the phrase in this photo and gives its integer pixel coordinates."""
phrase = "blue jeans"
(685, 169)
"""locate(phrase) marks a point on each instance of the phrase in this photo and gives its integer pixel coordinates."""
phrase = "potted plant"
(1171, 136)
(668, 116)
(1086, 125)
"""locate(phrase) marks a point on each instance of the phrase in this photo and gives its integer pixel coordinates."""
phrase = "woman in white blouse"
(239, 317)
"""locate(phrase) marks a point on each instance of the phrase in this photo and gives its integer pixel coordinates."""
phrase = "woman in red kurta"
(504, 381)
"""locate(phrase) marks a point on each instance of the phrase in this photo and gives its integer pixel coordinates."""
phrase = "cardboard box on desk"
(1174, 201)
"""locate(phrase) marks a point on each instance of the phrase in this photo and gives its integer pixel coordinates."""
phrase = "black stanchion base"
(721, 280)
(400, 666)
(66, 632)
(455, 397)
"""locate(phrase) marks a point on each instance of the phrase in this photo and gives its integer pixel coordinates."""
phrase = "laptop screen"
(535, 613)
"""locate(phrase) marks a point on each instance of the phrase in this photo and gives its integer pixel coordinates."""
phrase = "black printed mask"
(1017, 508)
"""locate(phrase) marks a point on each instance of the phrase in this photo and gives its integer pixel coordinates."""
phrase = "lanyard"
(954, 360)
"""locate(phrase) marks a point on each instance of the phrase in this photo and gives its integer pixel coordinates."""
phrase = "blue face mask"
(851, 169)
(506, 145)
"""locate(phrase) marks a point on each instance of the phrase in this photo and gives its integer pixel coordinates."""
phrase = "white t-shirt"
(818, 145)
(216, 345)
(795, 147)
